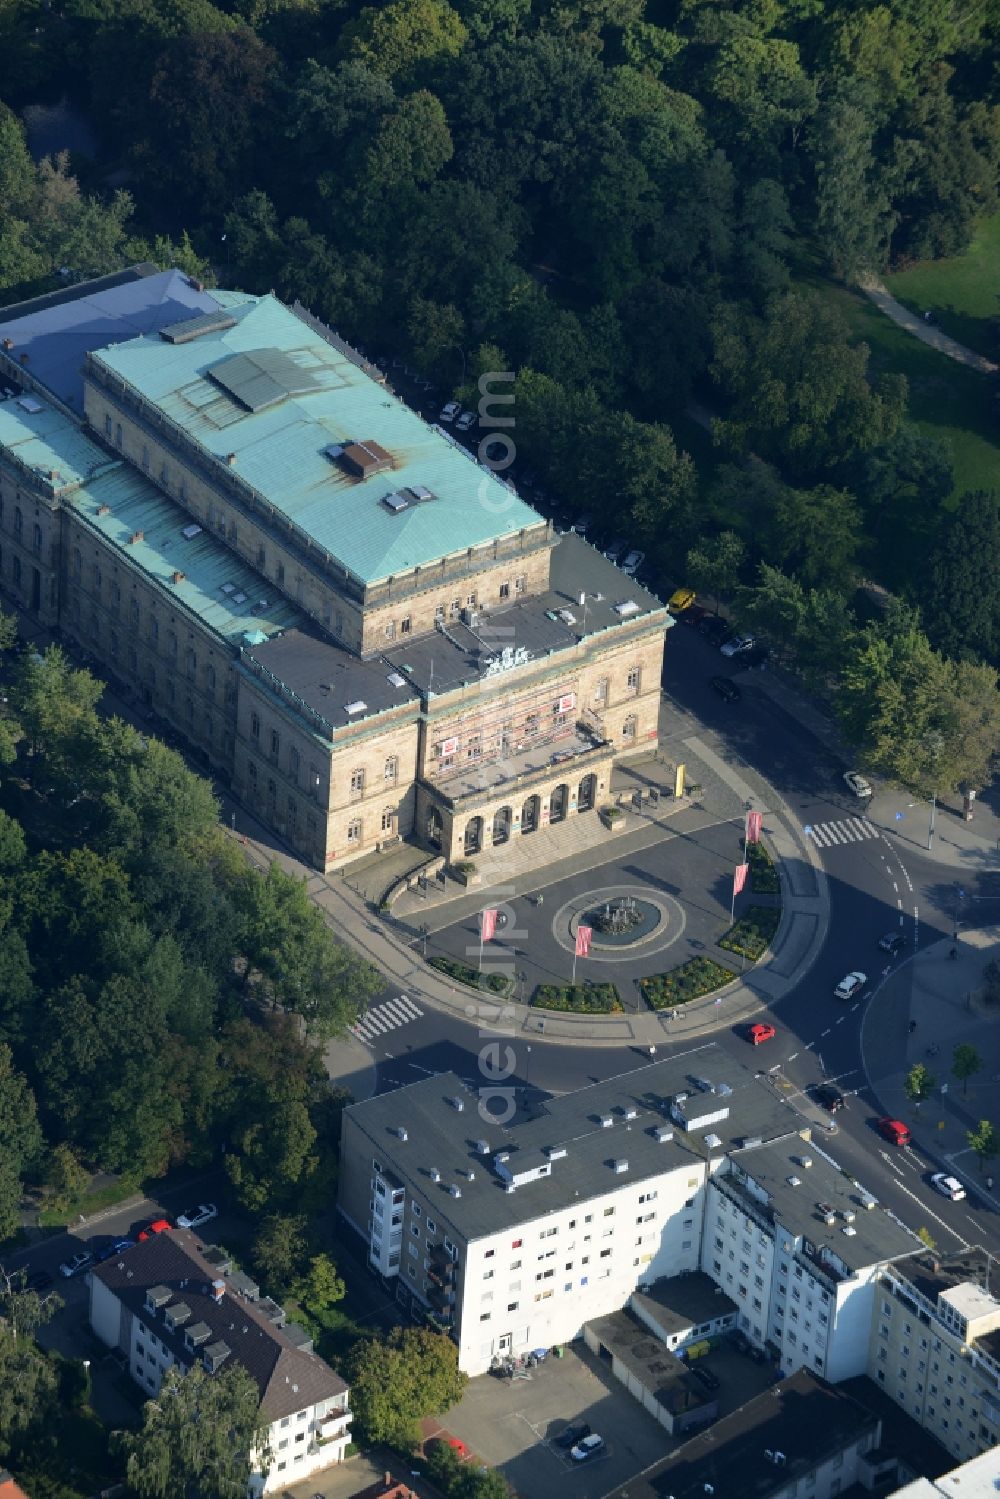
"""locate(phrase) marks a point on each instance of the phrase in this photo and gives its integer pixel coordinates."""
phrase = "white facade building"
(170, 1300)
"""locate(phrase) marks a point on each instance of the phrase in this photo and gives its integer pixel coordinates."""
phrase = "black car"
(892, 943)
(573, 1434)
(705, 1376)
(726, 688)
(830, 1098)
(714, 628)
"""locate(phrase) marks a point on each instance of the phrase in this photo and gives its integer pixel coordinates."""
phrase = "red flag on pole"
(754, 820)
(740, 877)
(583, 936)
(488, 923)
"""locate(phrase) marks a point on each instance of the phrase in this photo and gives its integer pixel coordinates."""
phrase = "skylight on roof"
(357, 707)
(261, 377)
(628, 607)
(195, 327)
(228, 588)
(239, 598)
(191, 531)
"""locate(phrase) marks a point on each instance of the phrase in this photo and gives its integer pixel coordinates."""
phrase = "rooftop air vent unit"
(458, 1104)
(724, 1090)
(629, 606)
(510, 1187)
(555, 1152)
(713, 1141)
(867, 1201)
(470, 617)
(136, 537)
(630, 1111)
(395, 503)
(482, 1147)
(455, 1190)
(419, 493)
(805, 1161)
(403, 1133)
(794, 1181)
(395, 679)
(362, 459)
(104, 509)
(606, 1121)
(829, 1219)
(358, 706)
(703, 1085)
(663, 1133)
(190, 532)
(620, 1167)
(848, 1216)
(849, 1230)
(175, 1316)
(502, 1155)
(177, 577)
(470, 1175)
(435, 1174)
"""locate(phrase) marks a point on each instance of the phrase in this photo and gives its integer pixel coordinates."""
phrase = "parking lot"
(513, 1426)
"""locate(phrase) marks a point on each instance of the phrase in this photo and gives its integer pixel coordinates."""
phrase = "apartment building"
(935, 1346)
(172, 1300)
(512, 1237)
(365, 631)
(799, 1247)
(978, 1478)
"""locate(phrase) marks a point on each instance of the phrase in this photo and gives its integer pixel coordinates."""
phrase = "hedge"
(698, 976)
(578, 999)
(490, 980)
(752, 934)
(763, 875)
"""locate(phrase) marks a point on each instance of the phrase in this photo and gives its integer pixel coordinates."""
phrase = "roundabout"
(657, 921)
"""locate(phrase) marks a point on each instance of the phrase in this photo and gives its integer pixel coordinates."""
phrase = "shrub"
(752, 934)
(490, 981)
(698, 976)
(763, 875)
(465, 866)
(578, 999)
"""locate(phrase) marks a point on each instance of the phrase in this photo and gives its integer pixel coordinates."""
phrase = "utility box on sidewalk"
(968, 799)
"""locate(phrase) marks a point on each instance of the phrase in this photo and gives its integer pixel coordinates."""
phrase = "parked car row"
(83, 1259)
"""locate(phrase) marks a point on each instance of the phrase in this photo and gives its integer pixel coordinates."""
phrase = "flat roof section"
(444, 1138)
(341, 688)
(679, 1302)
(803, 1197)
(651, 1365)
(161, 539)
(284, 450)
(56, 451)
(57, 332)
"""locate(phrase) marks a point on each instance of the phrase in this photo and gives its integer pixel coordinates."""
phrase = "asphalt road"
(875, 887)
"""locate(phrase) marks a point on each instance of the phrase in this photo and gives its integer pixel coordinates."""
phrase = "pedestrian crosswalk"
(849, 830)
(388, 1016)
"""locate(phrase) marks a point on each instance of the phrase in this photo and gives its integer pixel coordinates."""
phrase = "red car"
(895, 1132)
(154, 1226)
(760, 1032)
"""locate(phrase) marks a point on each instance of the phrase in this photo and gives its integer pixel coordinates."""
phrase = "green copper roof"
(229, 597)
(282, 448)
(55, 450)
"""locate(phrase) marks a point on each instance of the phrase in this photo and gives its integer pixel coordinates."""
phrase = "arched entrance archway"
(558, 803)
(587, 794)
(434, 828)
(473, 836)
(501, 825)
(531, 814)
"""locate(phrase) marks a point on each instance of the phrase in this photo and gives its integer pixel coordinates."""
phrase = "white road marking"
(841, 1019)
(826, 1032)
(793, 1056)
(890, 1162)
(931, 1214)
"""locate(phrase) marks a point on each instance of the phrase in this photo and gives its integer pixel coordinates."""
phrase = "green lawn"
(947, 399)
(964, 292)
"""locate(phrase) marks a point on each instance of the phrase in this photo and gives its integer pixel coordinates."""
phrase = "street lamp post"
(930, 825)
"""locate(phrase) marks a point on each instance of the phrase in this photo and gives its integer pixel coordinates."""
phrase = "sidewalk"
(970, 846)
(938, 993)
(928, 333)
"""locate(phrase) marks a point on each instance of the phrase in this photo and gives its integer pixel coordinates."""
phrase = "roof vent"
(630, 1111)
(723, 1090)
(361, 459)
(231, 459)
(849, 1230)
(358, 706)
(177, 577)
(510, 1188)
(606, 1121)
(8, 343)
(458, 1104)
(396, 679)
(663, 1133)
(218, 1290)
(470, 1175)
(195, 327)
(555, 1152)
(395, 503)
(629, 606)
(434, 1174)
(713, 1141)
(848, 1216)
(189, 532)
(135, 537)
(794, 1181)
(620, 1167)
(482, 1147)
(805, 1161)
(402, 1132)
(104, 509)
(455, 1190)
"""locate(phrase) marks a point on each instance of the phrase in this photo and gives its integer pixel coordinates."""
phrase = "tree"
(64, 1174)
(961, 601)
(203, 1434)
(854, 217)
(983, 1141)
(22, 1137)
(28, 1387)
(919, 1083)
(766, 90)
(965, 1063)
(400, 40)
(279, 1248)
(926, 1238)
(713, 566)
(321, 1286)
(271, 1157)
(395, 1383)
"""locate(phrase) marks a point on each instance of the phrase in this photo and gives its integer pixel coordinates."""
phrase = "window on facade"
(338, 622)
(17, 571)
(275, 743)
(154, 630)
(634, 679)
(388, 819)
(118, 434)
(190, 662)
(405, 625)
(261, 558)
(354, 831)
(255, 725)
(390, 629)
(505, 590)
(145, 458)
(357, 781)
(107, 425)
(630, 728)
(19, 526)
(36, 539)
(521, 583)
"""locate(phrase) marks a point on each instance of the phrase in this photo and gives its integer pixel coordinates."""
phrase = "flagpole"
(573, 980)
(480, 942)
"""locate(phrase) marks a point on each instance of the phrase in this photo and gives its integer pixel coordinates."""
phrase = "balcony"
(442, 1265)
(333, 1425)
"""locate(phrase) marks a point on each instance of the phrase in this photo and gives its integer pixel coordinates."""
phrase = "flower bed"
(698, 976)
(491, 981)
(763, 875)
(752, 934)
(578, 999)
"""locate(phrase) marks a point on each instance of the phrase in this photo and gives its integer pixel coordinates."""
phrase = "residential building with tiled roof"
(171, 1300)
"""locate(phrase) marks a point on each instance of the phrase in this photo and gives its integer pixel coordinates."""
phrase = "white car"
(587, 1448)
(77, 1263)
(197, 1216)
(466, 421)
(738, 645)
(632, 563)
(449, 411)
(851, 985)
(856, 782)
(948, 1186)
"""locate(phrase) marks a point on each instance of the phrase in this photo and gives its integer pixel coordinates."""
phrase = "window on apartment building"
(133, 612)
(294, 761)
(390, 770)
(521, 583)
(634, 679)
(354, 831)
(505, 590)
(280, 573)
(357, 781)
(390, 629)
(275, 743)
(405, 625)
(118, 434)
(107, 424)
(154, 631)
(255, 726)
(36, 539)
(164, 476)
(338, 622)
(630, 728)
(114, 645)
(210, 678)
(190, 662)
